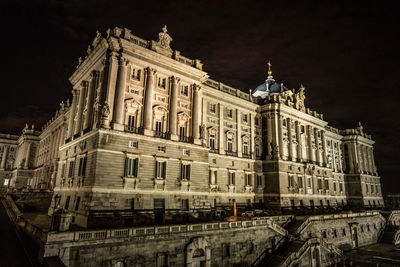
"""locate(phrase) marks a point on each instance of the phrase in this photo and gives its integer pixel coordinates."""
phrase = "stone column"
(299, 146)
(269, 136)
(173, 107)
(4, 158)
(221, 140)
(107, 107)
(119, 99)
(324, 148)
(309, 138)
(28, 152)
(81, 107)
(196, 112)
(290, 144)
(90, 100)
(238, 133)
(278, 121)
(75, 95)
(316, 140)
(252, 136)
(148, 100)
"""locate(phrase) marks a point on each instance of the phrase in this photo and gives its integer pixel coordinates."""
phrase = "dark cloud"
(345, 53)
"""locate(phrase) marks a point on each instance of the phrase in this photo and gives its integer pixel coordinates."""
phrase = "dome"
(269, 87)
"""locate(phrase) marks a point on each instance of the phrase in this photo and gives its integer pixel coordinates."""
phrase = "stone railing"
(312, 241)
(311, 219)
(54, 237)
(393, 213)
(230, 90)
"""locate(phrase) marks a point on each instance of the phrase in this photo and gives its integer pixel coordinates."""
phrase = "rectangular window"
(182, 133)
(256, 122)
(82, 166)
(161, 168)
(161, 149)
(344, 232)
(131, 122)
(319, 183)
(185, 172)
(321, 203)
(212, 141)
(186, 152)
(133, 144)
(184, 90)
(185, 204)
(71, 169)
(248, 179)
(231, 178)
(257, 148)
(341, 187)
(327, 184)
(302, 129)
(78, 200)
(136, 74)
(158, 127)
(366, 187)
(63, 171)
(245, 148)
(212, 108)
(300, 181)
(259, 180)
(230, 145)
(372, 188)
(131, 167)
(229, 113)
(334, 187)
(67, 202)
(245, 117)
(161, 82)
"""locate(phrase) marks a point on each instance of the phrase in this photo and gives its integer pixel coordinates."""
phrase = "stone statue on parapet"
(300, 97)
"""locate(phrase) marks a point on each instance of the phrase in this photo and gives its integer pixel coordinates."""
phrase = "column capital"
(151, 71)
(84, 84)
(175, 79)
(123, 61)
(93, 74)
(196, 87)
(75, 92)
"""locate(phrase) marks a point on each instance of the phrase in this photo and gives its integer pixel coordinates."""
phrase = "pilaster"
(90, 100)
(148, 101)
(75, 95)
(173, 106)
(80, 107)
(119, 99)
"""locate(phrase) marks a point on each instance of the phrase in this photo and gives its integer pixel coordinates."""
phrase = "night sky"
(346, 53)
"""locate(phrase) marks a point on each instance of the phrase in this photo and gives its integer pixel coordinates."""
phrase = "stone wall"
(214, 244)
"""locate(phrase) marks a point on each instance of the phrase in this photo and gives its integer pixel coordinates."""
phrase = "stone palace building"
(147, 131)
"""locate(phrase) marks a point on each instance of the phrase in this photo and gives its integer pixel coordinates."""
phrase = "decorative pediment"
(212, 130)
(245, 138)
(158, 109)
(183, 117)
(132, 105)
(229, 134)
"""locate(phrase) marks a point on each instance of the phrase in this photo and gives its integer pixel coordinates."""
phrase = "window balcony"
(131, 129)
(214, 150)
(230, 153)
(161, 134)
(185, 139)
(246, 156)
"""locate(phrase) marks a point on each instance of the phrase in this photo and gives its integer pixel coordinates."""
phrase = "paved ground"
(380, 254)
(12, 253)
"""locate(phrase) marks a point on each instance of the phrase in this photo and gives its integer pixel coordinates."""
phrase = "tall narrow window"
(161, 167)
(212, 141)
(185, 172)
(319, 183)
(158, 127)
(245, 147)
(184, 90)
(78, 200)
(248, 179)
(231, 178)
(257, 148)
(63, 171)
(131, 167)
(259, 180)
(82, 166)
(131, 122)
(212, 108)
(67, 202)
(300, 181)
(229, 113)
(327, 184)
(71, 169)
(245, 117)
(230, 145)
(182, 133)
